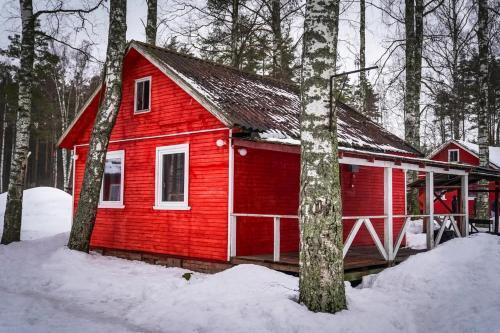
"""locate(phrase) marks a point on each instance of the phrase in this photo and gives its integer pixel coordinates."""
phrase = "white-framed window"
(453, 155)
(142, 95)
(172, 177)
(112, 180)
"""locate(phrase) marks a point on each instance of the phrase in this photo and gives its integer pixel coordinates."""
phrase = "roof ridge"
(291, 85)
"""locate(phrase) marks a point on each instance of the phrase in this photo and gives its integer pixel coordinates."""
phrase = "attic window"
(142, 95)
(453, 155)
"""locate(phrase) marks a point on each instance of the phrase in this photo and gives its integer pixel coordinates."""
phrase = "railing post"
(388, 221)
(276, 251)
(429, 208)
(233, 235)
(465, 205)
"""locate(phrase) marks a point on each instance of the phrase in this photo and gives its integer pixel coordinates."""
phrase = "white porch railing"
(387, 248)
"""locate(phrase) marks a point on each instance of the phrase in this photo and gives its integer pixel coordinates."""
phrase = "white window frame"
(171, 205)
(458, 155)
(143, 79)
(114, 204)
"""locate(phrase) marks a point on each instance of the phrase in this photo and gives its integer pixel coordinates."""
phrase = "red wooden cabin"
(203, 158)
(458, 151)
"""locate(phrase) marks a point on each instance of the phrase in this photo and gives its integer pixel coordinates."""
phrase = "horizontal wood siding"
(267, 182)
(197, 233)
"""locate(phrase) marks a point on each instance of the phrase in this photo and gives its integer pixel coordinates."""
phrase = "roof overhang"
(369, 158)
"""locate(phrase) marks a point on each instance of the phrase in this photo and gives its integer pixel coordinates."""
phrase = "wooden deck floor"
(359, 261)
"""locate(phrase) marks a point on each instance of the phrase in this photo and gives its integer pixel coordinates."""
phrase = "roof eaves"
(80, 113)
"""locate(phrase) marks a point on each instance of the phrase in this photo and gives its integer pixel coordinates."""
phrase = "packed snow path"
(44, 287)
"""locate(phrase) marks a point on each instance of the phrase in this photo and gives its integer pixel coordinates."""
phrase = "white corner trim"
(142, 79)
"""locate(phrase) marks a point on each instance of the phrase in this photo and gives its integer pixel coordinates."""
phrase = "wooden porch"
(359, 261)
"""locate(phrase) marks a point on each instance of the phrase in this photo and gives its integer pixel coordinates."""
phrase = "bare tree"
(321, 279)
(84, 219)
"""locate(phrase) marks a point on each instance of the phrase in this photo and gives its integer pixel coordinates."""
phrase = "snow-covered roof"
(266, 107)
(473, 149)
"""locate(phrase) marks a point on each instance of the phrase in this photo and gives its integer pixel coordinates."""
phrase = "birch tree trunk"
(363, 84)
(482, 204)
(151, 24)
(413, 59)
(84, 220)
(321, 280)
(13, 210)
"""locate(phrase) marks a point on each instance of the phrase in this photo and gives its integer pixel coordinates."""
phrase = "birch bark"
(321, 280)
(13, 210)
(84, 220)
(363, 84)
(482, 204)
(151, 24)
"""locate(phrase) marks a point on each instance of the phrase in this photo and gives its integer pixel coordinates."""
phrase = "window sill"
(141, 112)
(180, 207)
(112, 206)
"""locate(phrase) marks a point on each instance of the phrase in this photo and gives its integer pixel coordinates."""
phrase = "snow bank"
(46, 212)
(47, 288)
(44, 287)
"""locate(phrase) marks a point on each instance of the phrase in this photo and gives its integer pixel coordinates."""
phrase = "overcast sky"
(377, 32)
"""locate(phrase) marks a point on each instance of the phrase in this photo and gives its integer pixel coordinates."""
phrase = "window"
(112, 181)
(172, 172)
(453, 155)
(142, 95)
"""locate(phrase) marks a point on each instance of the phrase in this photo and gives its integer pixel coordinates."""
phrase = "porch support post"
(388, 211)
(429, 208)
(232, 230)
(276, 251)
(465, 205)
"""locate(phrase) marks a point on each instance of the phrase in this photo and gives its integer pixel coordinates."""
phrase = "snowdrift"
(46, 212)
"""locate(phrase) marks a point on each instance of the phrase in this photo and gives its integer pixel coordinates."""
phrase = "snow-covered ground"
(44, 287)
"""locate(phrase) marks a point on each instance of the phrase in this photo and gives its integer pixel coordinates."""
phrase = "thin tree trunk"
(151, 24)
(363, 84)
(2, 152)
(84, 220)
(13, 210)
(277, 38)
(321, 280)
(482, 204)
(235, 24)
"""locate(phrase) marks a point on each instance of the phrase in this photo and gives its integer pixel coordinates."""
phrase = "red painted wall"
(198, 233)
(267, 182)
(464, 157)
